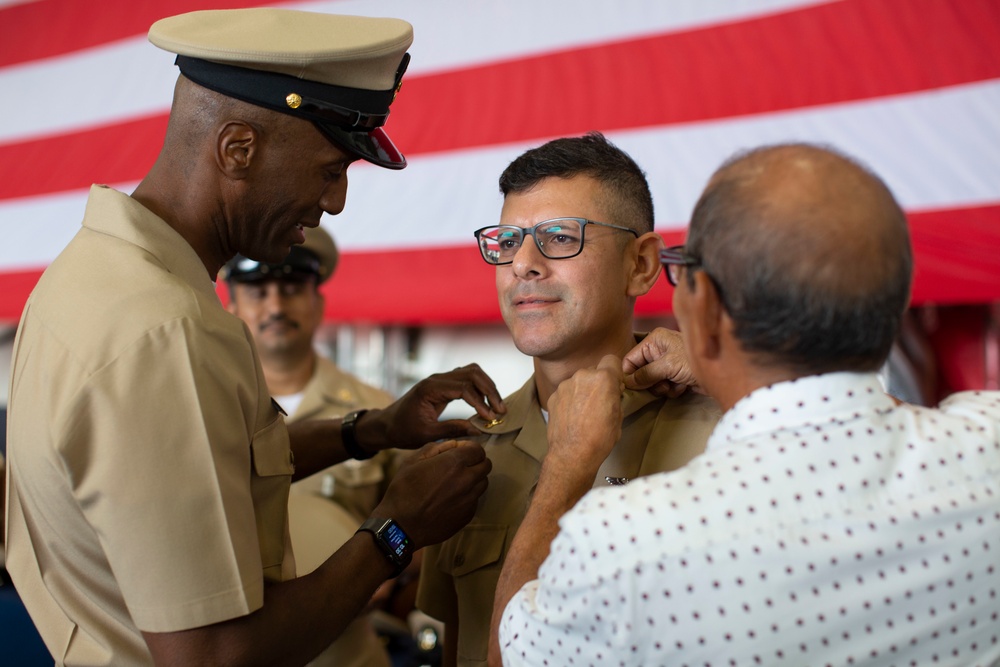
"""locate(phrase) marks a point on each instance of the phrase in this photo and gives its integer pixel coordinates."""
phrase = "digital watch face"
(396, 539)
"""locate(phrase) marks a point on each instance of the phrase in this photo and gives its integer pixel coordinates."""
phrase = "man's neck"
(550, 373)
(286, 376)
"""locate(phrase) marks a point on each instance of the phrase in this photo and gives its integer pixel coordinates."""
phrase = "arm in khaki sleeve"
(408, 423)
(584, 424)
(432, 497)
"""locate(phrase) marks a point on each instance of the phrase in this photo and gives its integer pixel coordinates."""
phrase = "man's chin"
(536, 346)
(275, 344)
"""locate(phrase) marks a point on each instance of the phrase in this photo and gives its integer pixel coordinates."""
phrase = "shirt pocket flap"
(473, 547)
(272, 453)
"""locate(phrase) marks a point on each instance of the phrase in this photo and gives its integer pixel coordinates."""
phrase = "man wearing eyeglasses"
(574, 249)
(826, 523)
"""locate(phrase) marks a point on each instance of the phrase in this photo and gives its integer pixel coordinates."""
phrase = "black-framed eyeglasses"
(559, 238)
(672, 259)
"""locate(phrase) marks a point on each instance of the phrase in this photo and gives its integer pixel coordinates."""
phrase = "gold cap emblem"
(293, 100)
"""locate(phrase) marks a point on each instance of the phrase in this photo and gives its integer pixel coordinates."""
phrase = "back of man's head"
(594, 156)
(811, 255)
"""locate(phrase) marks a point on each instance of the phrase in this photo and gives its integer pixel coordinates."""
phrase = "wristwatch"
(391, 540)
(349, 437)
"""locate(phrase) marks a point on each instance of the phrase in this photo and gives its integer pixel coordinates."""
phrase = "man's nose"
(528, 260)
(274, 298)
(335, 196)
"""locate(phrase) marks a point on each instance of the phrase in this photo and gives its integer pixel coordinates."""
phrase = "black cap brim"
(375, 146)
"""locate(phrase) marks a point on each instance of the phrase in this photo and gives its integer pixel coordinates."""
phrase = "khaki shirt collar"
(319, 392)
(116, 214)
(524, 416)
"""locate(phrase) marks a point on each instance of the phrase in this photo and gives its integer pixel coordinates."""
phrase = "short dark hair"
(795, 299)
(594, 156)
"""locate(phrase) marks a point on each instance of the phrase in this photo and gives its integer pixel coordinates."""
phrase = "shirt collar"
(116, 214)
(522, 402)
(804, 402)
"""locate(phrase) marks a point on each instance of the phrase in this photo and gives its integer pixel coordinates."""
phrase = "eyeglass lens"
(555, 238)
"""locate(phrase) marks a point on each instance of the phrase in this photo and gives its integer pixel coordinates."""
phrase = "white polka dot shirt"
(823, 526)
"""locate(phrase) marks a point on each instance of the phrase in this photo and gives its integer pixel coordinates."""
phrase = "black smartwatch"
(349, 436)
(391, 540)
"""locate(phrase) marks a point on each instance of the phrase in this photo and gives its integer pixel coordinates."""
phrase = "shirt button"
(459, 560)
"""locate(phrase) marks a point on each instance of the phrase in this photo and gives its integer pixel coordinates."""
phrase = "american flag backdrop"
(910, 87)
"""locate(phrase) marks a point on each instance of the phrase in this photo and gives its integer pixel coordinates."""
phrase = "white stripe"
(452, 34)
(934, 150)
(131, 78)
(937, 149)
(35, 229)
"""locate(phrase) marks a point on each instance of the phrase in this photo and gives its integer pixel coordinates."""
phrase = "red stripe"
(955, 249)
(50, 28)
(820, 55)
(832, 53)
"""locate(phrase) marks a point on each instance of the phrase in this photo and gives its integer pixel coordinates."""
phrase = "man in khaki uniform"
(567, 295)
(148, 466)
(282, 306)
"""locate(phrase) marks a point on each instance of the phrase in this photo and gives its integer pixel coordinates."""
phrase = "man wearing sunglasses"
(826, 523)
(574, 249)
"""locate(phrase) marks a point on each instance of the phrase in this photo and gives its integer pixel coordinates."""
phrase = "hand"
(435, 492)
(413, 419)
(585, 420)
(659, 363)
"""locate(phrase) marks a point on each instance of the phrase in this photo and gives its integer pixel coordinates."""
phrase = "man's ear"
(707, 314)
(235, 148)
(646, 268)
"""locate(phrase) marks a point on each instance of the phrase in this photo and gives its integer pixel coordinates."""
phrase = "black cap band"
(355, 110)
(300, 265)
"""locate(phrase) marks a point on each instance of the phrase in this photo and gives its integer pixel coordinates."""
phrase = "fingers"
(480, 392)
(474, 451)
(470, 384)
(433, 449)
(667, 389)
(644, 378)
(659, 363)
(455, 428)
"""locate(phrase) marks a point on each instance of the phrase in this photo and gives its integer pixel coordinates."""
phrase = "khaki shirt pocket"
(473, 559)
(273, 468)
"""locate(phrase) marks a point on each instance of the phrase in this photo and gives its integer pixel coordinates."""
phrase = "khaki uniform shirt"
(320, 527)
(148, 469)
(357, 485)
(459, 577)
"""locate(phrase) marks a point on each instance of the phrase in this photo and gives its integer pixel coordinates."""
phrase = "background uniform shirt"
(823, 526)
(320, 525)
(358, 486)
(148, 468)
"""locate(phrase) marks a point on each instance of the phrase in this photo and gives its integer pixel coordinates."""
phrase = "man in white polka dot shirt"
(826, 524)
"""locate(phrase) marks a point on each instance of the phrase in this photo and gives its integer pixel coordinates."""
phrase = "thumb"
(455, 428)
(642, 378)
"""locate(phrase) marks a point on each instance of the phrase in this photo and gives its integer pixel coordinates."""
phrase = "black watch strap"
(391, 540)
(349, 436)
